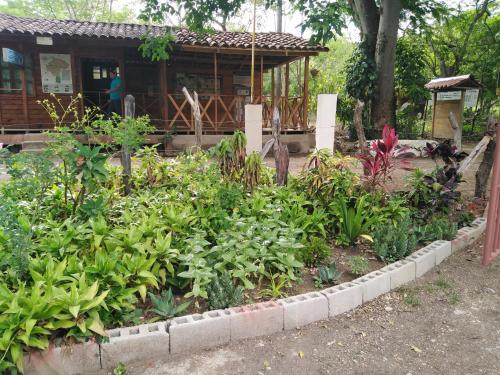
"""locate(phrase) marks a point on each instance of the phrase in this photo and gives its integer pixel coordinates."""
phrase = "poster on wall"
(471, 97)
(56, 73)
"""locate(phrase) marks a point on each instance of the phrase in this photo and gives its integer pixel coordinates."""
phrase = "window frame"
(12, 69)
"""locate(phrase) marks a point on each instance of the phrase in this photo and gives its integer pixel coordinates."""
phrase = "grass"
(409, 295)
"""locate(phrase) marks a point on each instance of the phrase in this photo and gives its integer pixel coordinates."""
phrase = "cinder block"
(442, 250)
(343, 297)
(480, 224)
(258, 319)
(472, 232)
(461, 240)
(131, 344)
(424, 259)
(374, 284)
(68, 360)
(304, 309)
(198, 331)
(400, 272)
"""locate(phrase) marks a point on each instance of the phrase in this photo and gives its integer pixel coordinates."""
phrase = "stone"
(424, 259)
(442, 250)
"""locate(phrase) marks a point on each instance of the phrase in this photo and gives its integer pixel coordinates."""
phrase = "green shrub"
(392, 243)
(358, 265)
(353, 220)
(315, 251)
(438, 229)
(164, 305)
(223, 293)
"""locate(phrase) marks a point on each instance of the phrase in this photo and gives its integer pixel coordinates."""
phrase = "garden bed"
(87, 246)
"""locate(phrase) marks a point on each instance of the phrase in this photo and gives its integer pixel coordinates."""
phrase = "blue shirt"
(116, 89)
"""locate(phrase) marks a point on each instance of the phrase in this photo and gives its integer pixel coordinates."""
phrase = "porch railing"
(218, 112)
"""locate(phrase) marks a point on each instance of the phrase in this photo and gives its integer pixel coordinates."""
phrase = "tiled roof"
(219, 39)
(464, 81)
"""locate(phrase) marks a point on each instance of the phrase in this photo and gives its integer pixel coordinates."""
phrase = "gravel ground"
(448, 322)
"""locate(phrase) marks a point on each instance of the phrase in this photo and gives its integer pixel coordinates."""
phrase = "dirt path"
(447, 322)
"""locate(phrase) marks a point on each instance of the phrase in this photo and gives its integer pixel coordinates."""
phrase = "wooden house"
(42, 56)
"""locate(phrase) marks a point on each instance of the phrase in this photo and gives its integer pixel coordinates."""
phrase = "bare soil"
(448, 322)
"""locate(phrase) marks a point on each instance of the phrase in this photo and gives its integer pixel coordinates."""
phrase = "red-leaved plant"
(384, 157)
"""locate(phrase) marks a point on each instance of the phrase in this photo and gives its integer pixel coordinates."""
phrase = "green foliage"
(361, 74)
(358, 265)
(156, 48)
(252, 170)
(410, 74)
(438, 229)
(277, 284)
(315, 251)
(394, 242)
(223, 293)
(327, 275)
(120, 369)
(353, 221)
(164, 305)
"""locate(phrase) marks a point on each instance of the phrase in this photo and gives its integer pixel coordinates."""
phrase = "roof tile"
(221, 39)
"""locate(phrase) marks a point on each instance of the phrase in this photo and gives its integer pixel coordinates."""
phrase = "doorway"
(96, 80)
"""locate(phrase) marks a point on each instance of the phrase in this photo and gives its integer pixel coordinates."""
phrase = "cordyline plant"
(383, 158)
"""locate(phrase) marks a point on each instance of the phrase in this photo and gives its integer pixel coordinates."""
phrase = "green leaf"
(74, 310)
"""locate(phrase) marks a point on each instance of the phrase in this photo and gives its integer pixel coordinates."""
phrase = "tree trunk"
(383, 110)
(358, 125)
(368, 18)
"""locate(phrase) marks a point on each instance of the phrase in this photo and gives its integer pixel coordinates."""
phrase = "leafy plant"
(353, 222)
(315, 251)
(358, 265)
(394, 242)
(438, 229)
(327, 275)
(378, 167)
(223, 293)
(252, 171)
(277, 284)
(120, 369)
(165, 306)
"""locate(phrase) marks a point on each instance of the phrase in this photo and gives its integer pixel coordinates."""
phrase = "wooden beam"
(216, 91)
(287, 91)
(242, 51)
(261, 77)
(272, 89)
(25, 89)
(162, 66)
(306, 91)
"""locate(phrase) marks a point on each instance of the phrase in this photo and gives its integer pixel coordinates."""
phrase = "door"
(95, 82)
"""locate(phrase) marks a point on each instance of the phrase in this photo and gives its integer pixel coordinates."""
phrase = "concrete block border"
(213, 328)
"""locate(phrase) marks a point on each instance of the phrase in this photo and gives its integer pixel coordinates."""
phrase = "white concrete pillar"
(325, 121)
(253, 127)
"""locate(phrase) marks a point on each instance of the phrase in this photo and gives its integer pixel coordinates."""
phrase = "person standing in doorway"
(115, 94)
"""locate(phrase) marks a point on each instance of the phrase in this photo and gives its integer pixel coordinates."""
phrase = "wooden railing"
(218, 112)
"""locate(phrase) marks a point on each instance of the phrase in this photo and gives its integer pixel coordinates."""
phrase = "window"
(101, 72)
(11, 82)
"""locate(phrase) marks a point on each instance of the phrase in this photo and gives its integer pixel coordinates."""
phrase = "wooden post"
(126, 154)
(195, 107)
(25, 91)
(457, 131)
(261, 77)
(306, 92)
(287, 92)
(272, 89)
(163, 92)
(216, 91)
